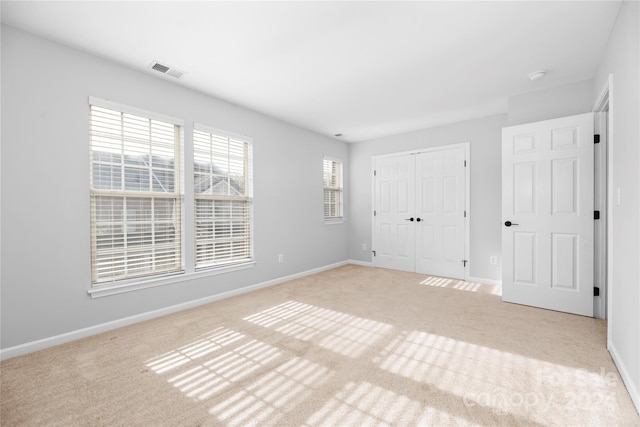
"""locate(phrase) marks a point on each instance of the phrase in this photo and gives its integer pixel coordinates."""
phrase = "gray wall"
(622, 60)
(484, 136)
(561, 101)
(45, 189)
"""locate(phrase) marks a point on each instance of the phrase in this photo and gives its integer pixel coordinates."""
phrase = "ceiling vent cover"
(164, 69)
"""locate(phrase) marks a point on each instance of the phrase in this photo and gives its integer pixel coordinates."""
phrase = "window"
(333, 207)
(222, 197)
(136, 218)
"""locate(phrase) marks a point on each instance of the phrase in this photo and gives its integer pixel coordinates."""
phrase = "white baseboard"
(469, 279)
(32, 346)
(485, 281)
(632, 388)
(362, 263)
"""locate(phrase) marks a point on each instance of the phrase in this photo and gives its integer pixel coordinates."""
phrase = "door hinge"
(596, 291)
(374, 213)
(596, 139)
(464, 263)
(374, 253)
(465, 163)
(596, 214)
(374, 172)
(465, 214)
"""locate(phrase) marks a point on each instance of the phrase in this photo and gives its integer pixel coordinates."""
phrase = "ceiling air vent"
(173, 72)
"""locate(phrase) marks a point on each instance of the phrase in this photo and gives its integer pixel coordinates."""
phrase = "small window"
(333, 205)
(222, 197)
(135, 195)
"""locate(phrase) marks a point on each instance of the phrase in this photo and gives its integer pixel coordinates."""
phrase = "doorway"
(603, 203)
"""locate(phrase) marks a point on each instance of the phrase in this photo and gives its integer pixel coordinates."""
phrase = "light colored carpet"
(353, 346)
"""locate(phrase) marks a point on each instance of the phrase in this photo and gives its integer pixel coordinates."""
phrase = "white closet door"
(394, 239)
(440, 212)
(420, 202)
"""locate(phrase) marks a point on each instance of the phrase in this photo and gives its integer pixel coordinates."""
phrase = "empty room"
(306, 213)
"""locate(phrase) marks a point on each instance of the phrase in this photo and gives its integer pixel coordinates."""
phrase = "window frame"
(329, 220)
(177, 195)
(247, 197)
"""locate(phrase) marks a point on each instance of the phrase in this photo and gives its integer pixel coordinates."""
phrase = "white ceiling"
(363, 69)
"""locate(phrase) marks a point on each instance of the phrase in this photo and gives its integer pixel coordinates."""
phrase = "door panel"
(564, 186)
(524, 252)
(394, 239)
(564, 261)
(547, 193)
(441, 203)
(524, 178)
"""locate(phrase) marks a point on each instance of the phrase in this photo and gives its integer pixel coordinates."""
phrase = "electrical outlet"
(493, 260)
(280, 258)
(364, 246)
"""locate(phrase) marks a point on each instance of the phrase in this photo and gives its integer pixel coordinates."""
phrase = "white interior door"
(394, 234)
(440, 212)
(547, 208)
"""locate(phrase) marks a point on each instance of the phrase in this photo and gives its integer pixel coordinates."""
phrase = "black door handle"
(509, 223)
(409, 219)
(419, 219)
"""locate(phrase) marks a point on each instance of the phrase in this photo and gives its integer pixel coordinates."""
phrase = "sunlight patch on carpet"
(204, 345)
(231, 359)
(342, 333)
(462, 285)
(270, 397)
(505, 382)
(212, 376)
(367, 404)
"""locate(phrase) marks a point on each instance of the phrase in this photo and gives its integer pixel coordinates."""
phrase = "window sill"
(336, 222)
(105, 290)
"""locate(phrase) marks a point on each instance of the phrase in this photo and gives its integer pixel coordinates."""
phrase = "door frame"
(467, 196)
(604, 103)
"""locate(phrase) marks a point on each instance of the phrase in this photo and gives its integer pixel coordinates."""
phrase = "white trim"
(626, 378)
(361, 263)
(104, 327)
(467, 204)
(467, 171)
(112, 105)
(224, 133)
(333, 159)
(170, 279)
(603, 97)
(606, 97)
(483, 281)
(600, 204)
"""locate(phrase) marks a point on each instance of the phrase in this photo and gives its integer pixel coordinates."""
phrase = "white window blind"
(223, 197)
(135, 196)
(333, 206)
